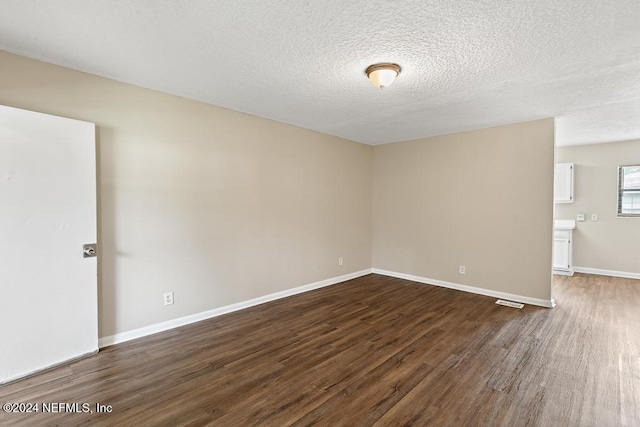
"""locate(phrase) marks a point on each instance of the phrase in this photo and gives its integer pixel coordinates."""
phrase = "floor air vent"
(510, 303)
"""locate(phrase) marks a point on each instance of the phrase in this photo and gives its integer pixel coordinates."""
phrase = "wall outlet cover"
(168, 298)
(580, 217)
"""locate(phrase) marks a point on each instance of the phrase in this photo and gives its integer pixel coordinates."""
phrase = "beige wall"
(217, 206)
(611, 243)
(483, 199)
(222, 207)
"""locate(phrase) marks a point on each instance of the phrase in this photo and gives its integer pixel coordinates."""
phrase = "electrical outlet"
(594, 217)
(340, 261)
(168, 298)
(580, 217)
(462, 269)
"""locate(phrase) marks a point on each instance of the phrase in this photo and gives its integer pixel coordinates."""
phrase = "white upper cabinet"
(563, 183)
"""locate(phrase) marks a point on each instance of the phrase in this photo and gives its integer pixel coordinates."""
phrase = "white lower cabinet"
(562, 252)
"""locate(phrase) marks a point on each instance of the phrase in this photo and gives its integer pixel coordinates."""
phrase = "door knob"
(89, 250)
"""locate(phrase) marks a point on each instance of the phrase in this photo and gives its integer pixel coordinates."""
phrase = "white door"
(48, 291)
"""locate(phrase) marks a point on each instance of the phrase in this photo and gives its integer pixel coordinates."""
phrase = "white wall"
(612, 243)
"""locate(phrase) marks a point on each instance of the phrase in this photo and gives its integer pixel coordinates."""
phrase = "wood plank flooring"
(371, 351)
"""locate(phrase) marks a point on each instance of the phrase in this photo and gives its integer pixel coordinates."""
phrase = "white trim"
(481, 291)
(39, 370)
(601, 272)
(174, 323)
(564, 272)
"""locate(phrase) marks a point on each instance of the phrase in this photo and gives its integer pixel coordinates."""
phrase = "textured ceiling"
(467, 64)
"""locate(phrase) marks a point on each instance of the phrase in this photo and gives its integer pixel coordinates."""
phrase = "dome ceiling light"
(382, 75)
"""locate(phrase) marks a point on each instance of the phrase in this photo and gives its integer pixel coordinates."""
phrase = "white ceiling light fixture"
(382, 75)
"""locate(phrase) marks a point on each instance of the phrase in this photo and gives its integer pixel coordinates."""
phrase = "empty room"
(331, 213)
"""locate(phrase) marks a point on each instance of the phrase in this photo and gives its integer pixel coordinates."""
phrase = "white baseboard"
(46, 368)
(174, 323)
(481, 291)
(563, 273)
(601, 272)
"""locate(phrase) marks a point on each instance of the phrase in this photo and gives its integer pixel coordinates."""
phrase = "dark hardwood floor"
(371, 351)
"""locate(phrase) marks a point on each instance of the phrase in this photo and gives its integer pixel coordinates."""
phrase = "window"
(629, 190)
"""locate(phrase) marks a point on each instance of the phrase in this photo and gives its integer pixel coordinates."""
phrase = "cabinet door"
(561, 253)
(563, 183)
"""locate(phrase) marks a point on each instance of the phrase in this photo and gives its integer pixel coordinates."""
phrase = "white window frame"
(621, 191)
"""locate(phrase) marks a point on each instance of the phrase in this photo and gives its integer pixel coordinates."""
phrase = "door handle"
(89, 250)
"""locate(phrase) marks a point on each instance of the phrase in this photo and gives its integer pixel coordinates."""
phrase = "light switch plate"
(580, 217)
